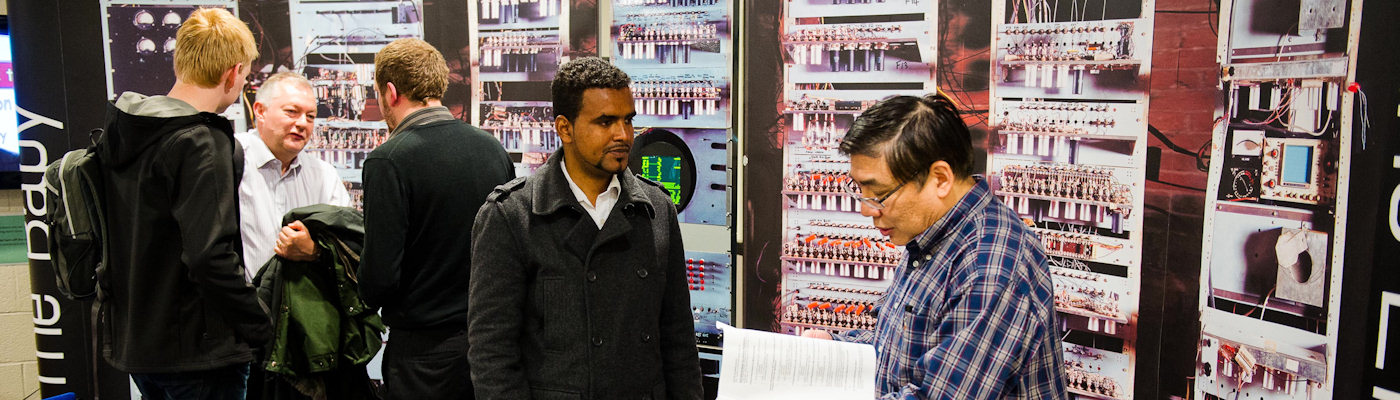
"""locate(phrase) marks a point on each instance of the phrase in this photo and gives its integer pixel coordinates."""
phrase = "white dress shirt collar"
(260, 157)
(606, 200)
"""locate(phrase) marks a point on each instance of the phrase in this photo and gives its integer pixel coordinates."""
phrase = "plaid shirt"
(971, 314)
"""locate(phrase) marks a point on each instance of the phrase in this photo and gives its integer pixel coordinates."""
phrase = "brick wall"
(1185, 79)
(1184, 97)
(19, 374)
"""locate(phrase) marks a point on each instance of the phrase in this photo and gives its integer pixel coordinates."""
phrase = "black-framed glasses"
(875, 203)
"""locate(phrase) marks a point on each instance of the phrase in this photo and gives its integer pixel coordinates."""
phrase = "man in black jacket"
(177, 311)
(422, 188)
(581, 287)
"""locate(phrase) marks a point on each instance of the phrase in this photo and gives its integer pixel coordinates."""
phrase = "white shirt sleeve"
(337, 195)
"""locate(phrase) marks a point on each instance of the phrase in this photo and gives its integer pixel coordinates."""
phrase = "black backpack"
(77, 221)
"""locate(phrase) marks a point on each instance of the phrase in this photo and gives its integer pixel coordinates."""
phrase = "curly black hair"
(912, 133)
(581, 74)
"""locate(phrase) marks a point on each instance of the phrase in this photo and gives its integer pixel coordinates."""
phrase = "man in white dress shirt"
(275, 179)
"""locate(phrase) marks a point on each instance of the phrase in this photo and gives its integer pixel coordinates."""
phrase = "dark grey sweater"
(422, 191)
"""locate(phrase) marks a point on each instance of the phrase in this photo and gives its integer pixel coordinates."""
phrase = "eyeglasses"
(876, 203)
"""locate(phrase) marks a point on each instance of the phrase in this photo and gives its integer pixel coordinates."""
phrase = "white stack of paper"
(772, 366)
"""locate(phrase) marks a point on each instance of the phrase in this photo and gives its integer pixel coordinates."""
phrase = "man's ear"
(941, 178)
(258, 110)
(231, 77)
(564, 128)
(391, 94)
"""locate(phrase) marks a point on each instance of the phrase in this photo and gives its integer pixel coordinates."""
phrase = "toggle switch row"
(841, 225)
(333, 138)
(1067, 41)
(667, 43)
(827, 181)
(844, 316)
(684, 98)
(844, 289)
(1065, 181)
(839, 305)
(1063, 107)
(514, 51)
(686, 27)
(667, 3)
(844, 33)
(515, 39)
(1061, 125)
(863, 249)
(1079, 376)
(834, 232)
(1061, 29)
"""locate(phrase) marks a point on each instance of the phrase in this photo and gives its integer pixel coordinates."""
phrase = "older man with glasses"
(970, 314)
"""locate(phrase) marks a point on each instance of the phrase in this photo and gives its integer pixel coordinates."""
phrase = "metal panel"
(1322, 14)
(1336, 67)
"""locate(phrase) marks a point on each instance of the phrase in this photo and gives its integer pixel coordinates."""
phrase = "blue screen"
(1297, 164)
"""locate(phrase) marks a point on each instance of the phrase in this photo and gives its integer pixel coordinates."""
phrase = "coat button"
(646, 338)
(597, 341)
(592, 276)
(642, 273)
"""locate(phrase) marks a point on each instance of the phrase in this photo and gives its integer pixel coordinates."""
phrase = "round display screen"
(663, 157)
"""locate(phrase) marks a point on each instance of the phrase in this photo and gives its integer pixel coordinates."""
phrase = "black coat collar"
(551, 192)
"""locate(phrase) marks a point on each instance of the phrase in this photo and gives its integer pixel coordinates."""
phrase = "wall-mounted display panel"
(1276, 204)
(1068, 152)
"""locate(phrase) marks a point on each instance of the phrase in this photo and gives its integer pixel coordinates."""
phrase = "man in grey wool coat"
(580, 288)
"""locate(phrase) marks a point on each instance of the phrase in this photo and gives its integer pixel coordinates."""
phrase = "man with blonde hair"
(177, 310)
(422, 189)
(276, 180)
